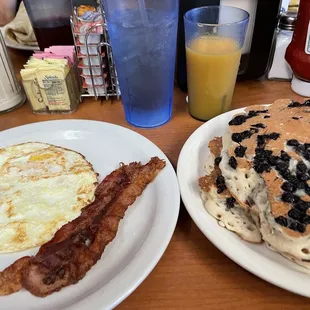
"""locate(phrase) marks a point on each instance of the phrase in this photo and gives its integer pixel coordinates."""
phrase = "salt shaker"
(11, 92)
(280, 69)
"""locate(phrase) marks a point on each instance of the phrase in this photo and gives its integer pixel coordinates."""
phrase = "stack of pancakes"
(257, 181)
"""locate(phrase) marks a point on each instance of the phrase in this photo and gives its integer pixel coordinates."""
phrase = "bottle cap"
(287, 21)
(300, 87)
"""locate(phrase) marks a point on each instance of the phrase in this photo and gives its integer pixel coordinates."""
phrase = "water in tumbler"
(145, 61)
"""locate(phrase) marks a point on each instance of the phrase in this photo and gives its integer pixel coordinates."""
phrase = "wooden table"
(193, 273)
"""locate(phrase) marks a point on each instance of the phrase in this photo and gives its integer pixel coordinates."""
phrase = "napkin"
(20, 30)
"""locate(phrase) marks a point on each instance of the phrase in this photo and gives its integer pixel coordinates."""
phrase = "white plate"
(143, 234)
(257, 259)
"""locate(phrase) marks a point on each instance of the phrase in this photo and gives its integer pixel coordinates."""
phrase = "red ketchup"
(298, 51)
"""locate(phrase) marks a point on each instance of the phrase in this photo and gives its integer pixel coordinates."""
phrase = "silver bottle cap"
(287, 21)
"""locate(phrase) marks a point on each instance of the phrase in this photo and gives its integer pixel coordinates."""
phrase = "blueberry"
(217, 160)
(306, 156)
(294, 104)
(300, 185)
(259, 125)
(302, 205)
(262, 152)
(288, 187)
(306, 153)
(238, 120)
(233, 162)
(307, 190)
(289, 197)
(236, 137)
(260, 140)
(230, 202)
(220, 180)
(220, 189)
(262, 167)
(254, 130)
(300, 148)
(294, 117)
(297, 227)
(246, 134)
(305, 219)
(292, 179)
(301, 166)
(285, 156)
(274, 136)
(302, 176)
(240, 151)
(295, 214)
(220, 183)
(282, 165)
(292, 142)
(285, 174)
(273, 160)
(266, 116)
(281, 220)
(252, 113)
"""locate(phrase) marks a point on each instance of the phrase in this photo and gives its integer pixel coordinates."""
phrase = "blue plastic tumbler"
(143, 39)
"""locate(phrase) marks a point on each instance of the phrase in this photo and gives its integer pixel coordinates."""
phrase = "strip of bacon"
(78, 245)
(109, 188)
(11, 277)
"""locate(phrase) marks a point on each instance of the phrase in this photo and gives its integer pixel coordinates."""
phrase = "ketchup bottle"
(298, 52)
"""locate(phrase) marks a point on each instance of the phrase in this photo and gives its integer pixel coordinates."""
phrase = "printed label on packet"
(307, 47)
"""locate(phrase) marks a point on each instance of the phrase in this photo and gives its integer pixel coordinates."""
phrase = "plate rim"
(157, 253)
(252, 268)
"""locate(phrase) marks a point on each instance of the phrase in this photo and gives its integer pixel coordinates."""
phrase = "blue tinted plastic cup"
(143, 39)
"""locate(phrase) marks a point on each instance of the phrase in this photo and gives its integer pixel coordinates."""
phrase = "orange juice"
(212, 67)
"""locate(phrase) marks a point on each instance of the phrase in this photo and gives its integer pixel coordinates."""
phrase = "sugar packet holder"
(52, 94)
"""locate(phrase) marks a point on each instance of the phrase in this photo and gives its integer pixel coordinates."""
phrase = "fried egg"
(42, 187)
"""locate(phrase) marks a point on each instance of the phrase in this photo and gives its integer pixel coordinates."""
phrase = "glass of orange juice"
(214, 37)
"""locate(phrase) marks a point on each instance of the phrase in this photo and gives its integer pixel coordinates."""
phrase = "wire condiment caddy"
(94, 52)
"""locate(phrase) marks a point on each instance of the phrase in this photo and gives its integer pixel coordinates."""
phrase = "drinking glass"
(143, 39)
(50, 20)
(214, 37)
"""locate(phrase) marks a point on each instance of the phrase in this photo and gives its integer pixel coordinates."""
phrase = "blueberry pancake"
(219, 202)
(266, 165)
